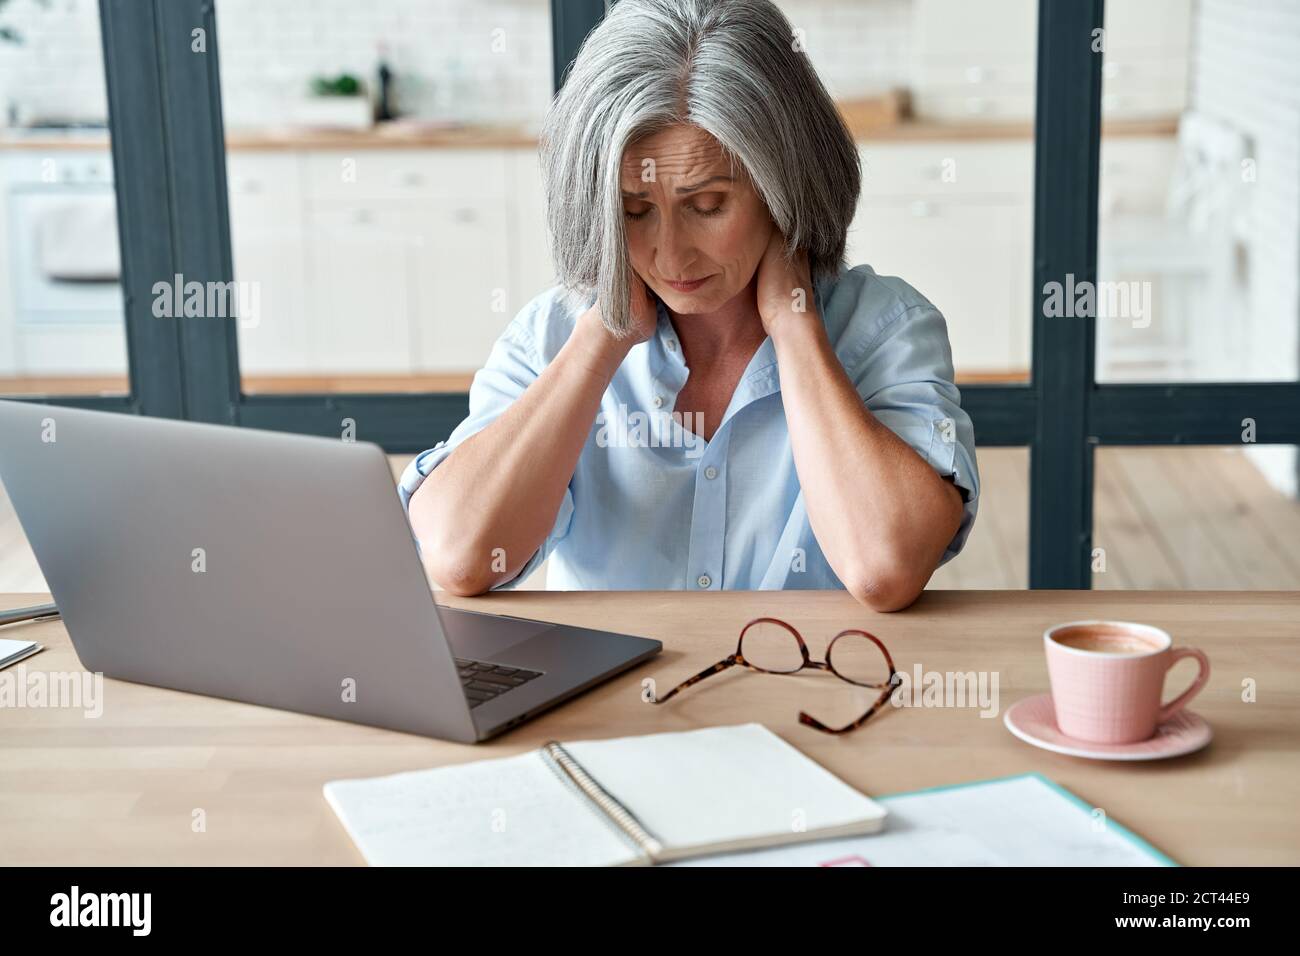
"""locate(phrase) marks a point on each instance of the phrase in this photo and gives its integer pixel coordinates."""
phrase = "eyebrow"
(682, 190)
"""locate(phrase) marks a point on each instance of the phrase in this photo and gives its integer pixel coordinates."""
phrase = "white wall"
(58, 69)
(464, 59)
(442, 50)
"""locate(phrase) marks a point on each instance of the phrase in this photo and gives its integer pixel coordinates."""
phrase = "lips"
(690, 286)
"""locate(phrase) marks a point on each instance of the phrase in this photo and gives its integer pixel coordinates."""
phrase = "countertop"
(518, 137)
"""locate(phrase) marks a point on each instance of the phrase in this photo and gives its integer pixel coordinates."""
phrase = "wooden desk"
(122, 789)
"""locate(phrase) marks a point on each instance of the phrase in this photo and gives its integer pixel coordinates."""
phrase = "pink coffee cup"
(1108, 678)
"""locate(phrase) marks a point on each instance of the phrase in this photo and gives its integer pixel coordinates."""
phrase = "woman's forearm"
(483, 512)
(881, 514)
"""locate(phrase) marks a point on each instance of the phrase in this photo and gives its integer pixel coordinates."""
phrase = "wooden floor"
(1167, 518)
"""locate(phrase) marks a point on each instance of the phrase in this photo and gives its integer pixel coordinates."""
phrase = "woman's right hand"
(643, 308)
(644, 311)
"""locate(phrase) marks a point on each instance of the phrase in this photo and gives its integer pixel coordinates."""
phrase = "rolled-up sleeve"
(905, 377)
(512, 366)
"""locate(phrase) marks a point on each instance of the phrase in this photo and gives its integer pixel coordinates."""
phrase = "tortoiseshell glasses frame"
(886, 688)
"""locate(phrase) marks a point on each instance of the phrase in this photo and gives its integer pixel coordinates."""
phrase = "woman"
(709, 400)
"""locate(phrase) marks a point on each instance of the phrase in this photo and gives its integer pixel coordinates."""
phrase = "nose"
(674, 251)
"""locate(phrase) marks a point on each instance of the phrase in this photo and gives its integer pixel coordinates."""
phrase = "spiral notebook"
(620, 802)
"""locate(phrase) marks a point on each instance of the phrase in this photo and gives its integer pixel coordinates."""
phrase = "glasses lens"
(771, 647)
(858, 658)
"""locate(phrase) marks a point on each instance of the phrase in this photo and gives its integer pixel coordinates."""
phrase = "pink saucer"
(1033, 720)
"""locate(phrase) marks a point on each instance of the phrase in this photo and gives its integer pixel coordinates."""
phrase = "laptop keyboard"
(482, 681)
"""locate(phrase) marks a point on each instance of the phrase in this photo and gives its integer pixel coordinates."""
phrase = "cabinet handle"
(465, 215)
(922, 209)
(362, 215)
(412, 179)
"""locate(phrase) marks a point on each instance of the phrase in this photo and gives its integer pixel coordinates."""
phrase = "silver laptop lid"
(258, 566)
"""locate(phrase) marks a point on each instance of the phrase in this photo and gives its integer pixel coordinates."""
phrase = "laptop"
(275, 569)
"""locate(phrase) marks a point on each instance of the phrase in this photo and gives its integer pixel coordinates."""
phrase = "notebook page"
(715, 786)
(1017, 821)
(509, 812)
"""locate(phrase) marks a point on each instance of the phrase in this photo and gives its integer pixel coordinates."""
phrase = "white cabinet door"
(410, 259)
(467, 291)
(362, 277)
(267, 242)
(954, 220)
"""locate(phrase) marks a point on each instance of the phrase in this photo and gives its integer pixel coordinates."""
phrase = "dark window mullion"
(194, 136)
(571, 21)
(1193, 413)
(135, 95)
(1067, 138)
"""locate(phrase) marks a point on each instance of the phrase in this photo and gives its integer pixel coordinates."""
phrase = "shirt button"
(672, 345)
(704, 580)
(659, 401)
(710, 473)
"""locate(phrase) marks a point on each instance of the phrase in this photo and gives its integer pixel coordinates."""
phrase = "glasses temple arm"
(707, 672)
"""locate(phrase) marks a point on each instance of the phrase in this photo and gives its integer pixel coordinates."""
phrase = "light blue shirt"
(653, 506)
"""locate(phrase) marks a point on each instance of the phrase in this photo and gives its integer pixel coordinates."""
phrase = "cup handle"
(1181, 701)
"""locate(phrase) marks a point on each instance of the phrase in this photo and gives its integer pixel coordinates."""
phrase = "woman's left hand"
(784, 287)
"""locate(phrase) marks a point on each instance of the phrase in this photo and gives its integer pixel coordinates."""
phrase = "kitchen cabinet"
(362, 263)
(463, 310)
(376, 261)
(954, 219)
(971, 260)
(407, 261)
(267, 229)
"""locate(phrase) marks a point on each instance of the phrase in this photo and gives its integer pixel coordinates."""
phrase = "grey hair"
(729, 67)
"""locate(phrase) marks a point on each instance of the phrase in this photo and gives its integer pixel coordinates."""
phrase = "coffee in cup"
(1107, 679)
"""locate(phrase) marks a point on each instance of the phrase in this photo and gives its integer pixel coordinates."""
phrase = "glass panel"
(62, 328)
(382, 254)
(940, 95)
(1196, 518)
(996, 555)
(1199, 229)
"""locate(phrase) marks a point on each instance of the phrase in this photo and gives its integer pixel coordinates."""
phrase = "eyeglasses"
(772, 646)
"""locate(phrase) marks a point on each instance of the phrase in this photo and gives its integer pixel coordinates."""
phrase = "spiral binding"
(614, 811)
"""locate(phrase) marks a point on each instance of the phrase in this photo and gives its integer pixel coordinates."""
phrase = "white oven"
(63, 305)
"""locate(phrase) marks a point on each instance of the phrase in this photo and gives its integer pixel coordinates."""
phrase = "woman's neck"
(734, 331)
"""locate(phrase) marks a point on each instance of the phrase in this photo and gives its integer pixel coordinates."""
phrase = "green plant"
(345, 84)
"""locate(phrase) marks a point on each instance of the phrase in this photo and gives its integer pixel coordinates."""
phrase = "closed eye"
(700, 209)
